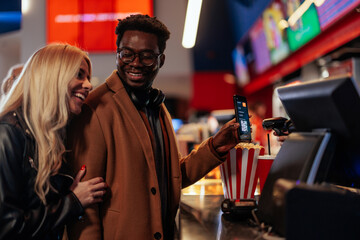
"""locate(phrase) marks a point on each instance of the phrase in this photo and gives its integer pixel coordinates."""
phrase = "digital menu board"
(90, 24)
(332, 10)
(240, 65)
(284, 27)
(276, 38)
(305, 29)
(259, 46)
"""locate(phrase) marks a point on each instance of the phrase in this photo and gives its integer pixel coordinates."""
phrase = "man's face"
(135, 73)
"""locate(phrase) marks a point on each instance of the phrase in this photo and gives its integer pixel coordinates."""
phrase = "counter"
(201, 217)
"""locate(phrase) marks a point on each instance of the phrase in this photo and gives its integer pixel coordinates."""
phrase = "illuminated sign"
(90, 24)
(332, 10)
(305, 29)
(259, 46)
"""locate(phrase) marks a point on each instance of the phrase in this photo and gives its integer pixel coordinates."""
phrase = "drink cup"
(238, 172)
(263, 168)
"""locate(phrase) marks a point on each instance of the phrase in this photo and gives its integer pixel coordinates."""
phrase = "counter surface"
(201, 217)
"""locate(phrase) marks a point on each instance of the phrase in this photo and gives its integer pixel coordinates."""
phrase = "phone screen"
(242, 117)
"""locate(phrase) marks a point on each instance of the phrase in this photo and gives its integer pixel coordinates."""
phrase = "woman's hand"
(90, 191)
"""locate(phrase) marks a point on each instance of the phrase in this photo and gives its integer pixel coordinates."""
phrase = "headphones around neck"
(153, 99)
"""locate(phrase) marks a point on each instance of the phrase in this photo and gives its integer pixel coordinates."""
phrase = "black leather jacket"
(22, 214)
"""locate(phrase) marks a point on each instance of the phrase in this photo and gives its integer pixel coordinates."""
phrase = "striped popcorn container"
(238, 172)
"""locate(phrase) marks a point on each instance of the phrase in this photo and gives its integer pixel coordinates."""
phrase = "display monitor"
(259, 47)
(275, 35)
(240, 66)
(325, 147)
(333, 10)
(305, 29)
(177, 123)
(333, 104)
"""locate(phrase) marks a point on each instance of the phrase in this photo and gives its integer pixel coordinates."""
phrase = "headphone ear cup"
(156, 97)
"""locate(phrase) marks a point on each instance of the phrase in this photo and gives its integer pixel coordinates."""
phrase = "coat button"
(153, 190)
(157, 235)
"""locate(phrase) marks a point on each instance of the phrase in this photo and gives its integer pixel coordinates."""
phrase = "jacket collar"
(114, 82)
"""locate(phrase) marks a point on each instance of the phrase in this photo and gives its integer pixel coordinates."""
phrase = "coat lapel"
(128, 109)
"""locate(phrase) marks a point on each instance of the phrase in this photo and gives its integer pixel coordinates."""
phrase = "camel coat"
(111, 139)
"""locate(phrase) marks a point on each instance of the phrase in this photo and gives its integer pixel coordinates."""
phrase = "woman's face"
(79, 88)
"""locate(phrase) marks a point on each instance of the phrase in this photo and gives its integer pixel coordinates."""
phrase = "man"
(124, 135)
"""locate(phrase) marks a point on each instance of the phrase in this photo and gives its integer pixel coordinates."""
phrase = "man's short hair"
(143, 23)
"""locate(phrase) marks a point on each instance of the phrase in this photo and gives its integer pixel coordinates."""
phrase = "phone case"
(242, 117)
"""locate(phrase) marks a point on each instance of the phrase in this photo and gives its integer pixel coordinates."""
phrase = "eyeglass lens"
(147, 58)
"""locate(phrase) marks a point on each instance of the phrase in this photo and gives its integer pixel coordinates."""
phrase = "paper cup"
(263, 168)
(238, 172)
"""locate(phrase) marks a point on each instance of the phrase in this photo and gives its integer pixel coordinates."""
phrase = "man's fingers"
(232, 120)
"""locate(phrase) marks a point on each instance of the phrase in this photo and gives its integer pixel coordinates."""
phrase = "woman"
(37, 194)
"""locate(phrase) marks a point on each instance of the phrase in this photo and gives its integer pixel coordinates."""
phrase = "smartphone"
(242, 117)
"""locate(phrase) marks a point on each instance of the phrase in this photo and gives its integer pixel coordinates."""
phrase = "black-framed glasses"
(147, 58)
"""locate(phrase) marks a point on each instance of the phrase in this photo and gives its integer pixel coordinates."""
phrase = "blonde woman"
(37, 193)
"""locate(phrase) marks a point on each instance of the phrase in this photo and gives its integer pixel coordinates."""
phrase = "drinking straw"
(268, 137)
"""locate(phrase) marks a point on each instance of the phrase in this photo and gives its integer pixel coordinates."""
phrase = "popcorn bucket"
(238, 172)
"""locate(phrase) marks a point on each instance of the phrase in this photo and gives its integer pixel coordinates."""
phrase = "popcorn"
(248, 146)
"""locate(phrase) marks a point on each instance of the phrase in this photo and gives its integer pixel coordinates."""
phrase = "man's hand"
(226, 138)
(282, 138)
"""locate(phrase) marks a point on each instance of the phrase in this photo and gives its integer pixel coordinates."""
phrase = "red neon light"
(90, 24)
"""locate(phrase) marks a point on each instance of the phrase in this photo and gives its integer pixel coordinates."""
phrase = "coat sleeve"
(199, 162)
(87, 147)
(17, 221)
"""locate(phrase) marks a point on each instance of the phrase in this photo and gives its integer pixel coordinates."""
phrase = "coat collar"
(114, 83)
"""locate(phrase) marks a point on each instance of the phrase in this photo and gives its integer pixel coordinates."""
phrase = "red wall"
(213, 91)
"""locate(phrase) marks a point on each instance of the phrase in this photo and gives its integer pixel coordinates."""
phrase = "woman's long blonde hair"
(42, 91)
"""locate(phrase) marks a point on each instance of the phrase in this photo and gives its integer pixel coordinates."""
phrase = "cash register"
(312, 190)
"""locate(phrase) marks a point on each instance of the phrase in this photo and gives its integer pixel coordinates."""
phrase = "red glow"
(207, 95)
(90, 24)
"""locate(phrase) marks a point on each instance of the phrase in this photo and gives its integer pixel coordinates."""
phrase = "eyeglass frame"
(138, 54)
